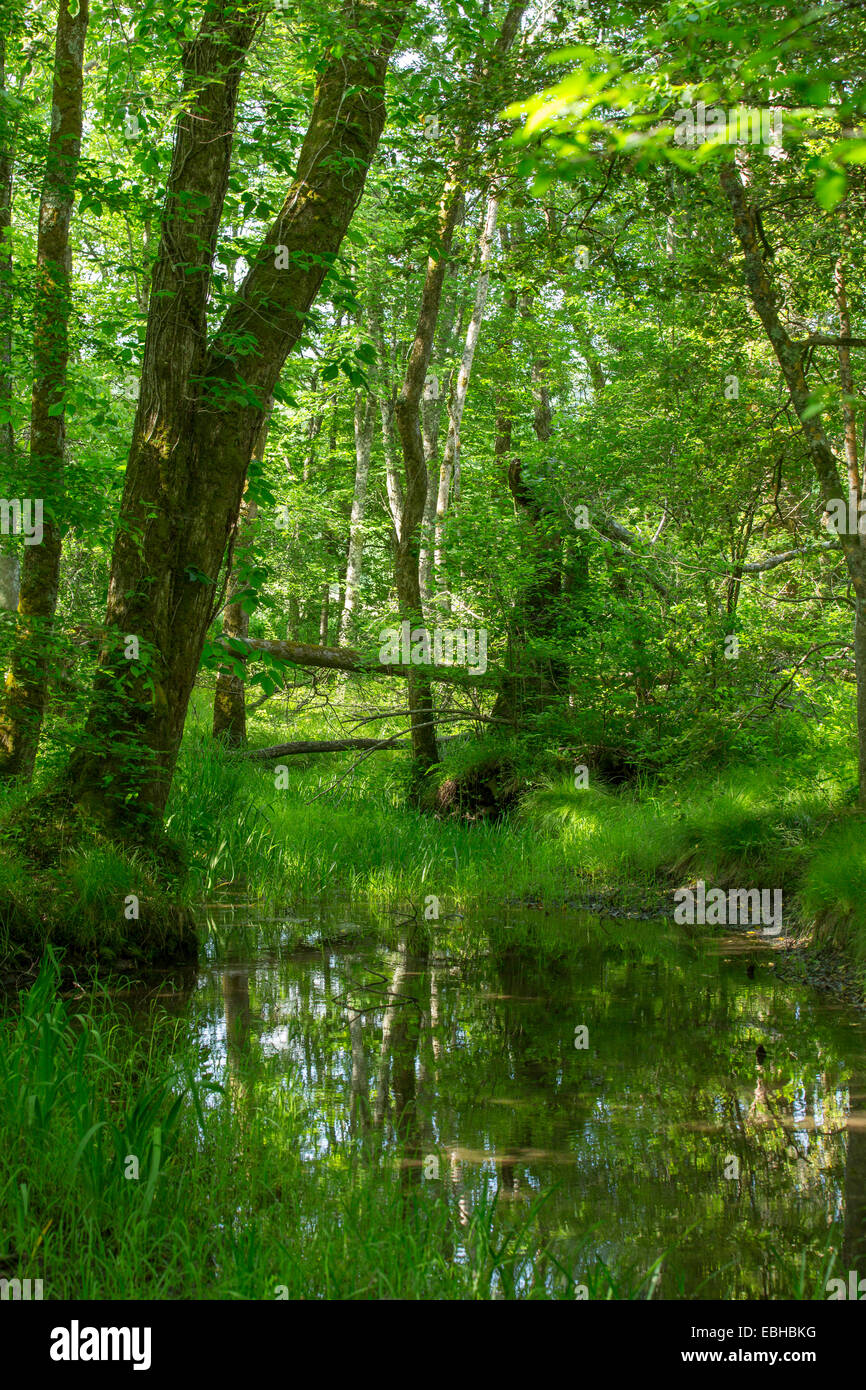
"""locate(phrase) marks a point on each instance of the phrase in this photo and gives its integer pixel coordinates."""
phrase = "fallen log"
(325, 658)
(333, 745)
(349, 660)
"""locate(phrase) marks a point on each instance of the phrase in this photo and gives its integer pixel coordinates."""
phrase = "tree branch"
(760, 566)
(347, 659)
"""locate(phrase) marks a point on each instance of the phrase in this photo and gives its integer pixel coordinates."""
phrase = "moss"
(483, 786)
(65, 880)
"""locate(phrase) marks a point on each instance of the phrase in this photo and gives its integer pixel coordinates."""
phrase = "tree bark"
(431, 418)
(451, 456)
(229, 706)
(363, 452)
(324, 616)
(10, 565)
(347, 659)
(385, 396)
(325, 745)
(406, 540)
(846, 376)
(27, 680)
(200, 408)
(533, 674)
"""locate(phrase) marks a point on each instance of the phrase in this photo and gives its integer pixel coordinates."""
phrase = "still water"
(654, 1115)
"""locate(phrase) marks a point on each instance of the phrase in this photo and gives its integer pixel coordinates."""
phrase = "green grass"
(342, 827)
(222, 1205)
(783, 824)
(64, 883)
(833, 888)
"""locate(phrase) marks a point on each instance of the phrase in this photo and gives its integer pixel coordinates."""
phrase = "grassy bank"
(65, 883)
(343, 827)
(339, 825)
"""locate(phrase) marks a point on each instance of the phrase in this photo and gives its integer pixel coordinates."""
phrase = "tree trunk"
(407, 416)
(431, 417)
(201, 408)
(27, 680)
(347, 659)
(533, 674)
(293, 627)
(314, 425)
(324, 612)
(9, 559)
(846, 376)
(363, 452)
(451, 456)
(9, 581)
(385, 397)
(408, 407)
(229, 706)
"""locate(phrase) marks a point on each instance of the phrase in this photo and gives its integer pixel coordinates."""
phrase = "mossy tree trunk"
(9, 557)
(201, 405)
(229, 706)
(27, 680)
(407, 416)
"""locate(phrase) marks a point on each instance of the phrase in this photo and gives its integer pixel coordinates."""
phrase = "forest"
(433, 637)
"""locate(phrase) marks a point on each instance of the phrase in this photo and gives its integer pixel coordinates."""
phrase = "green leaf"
(284, 396)
(830, 189)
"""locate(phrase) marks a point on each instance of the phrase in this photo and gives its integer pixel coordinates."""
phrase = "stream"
(662, 1115)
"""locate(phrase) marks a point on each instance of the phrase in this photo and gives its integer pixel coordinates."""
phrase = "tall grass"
(219, 1203)
(773, 826)
(343, 827)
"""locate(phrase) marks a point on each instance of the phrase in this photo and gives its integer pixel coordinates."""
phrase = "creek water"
(656, 1114)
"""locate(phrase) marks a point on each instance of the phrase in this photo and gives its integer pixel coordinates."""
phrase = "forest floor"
(338, 825)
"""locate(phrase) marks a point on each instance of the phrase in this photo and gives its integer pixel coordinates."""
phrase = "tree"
(229, 706)
(201, 404)
(27, 681)
(791, 356)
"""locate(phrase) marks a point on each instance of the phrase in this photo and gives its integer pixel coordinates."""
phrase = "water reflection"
(715, 1114)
